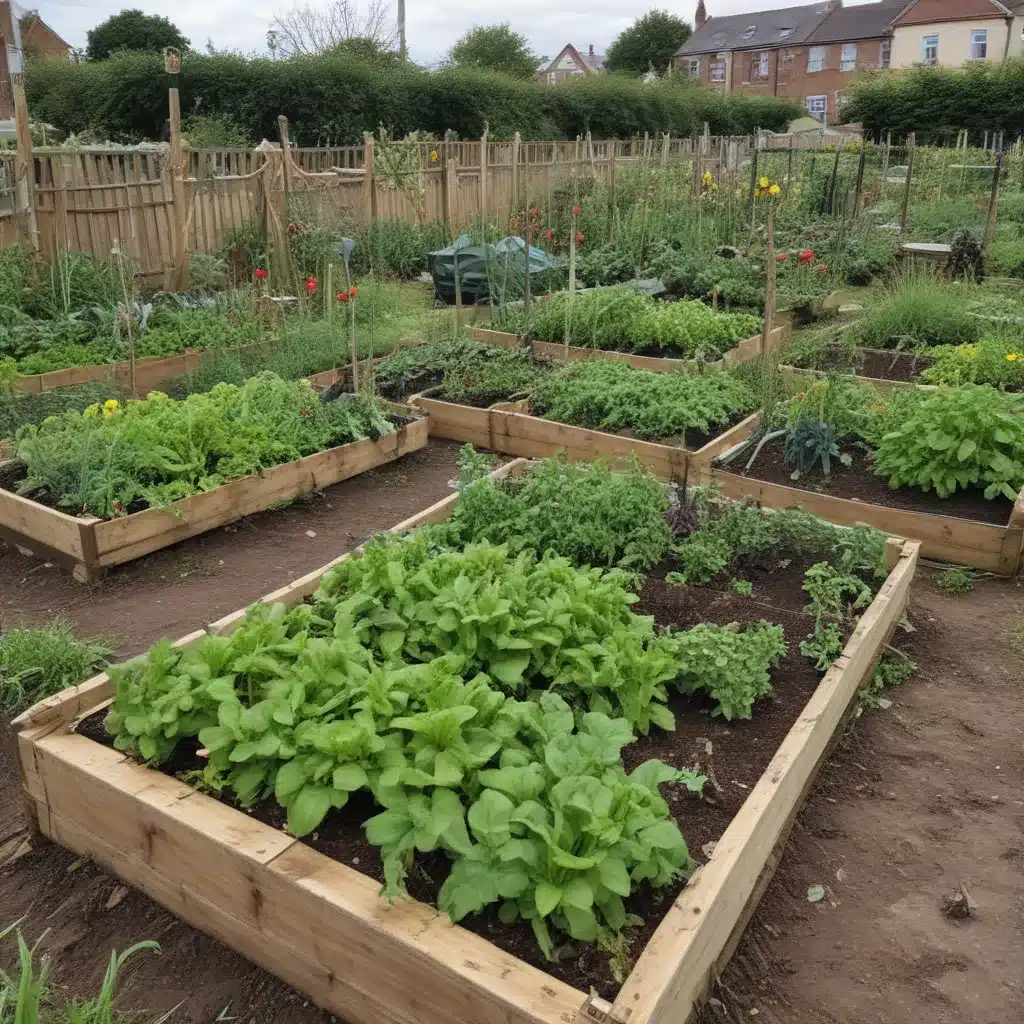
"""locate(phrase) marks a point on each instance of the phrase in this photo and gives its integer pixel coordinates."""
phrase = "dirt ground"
(920, 796)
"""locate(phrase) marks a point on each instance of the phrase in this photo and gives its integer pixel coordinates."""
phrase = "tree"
(133, 30)
(650, 42)
(308, 30)
(495, 48)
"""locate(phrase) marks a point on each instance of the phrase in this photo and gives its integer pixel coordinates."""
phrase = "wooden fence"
(96, 199)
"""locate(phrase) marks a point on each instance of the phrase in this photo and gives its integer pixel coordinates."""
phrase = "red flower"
(806, 256)
(260, 274)
(782, 257)
(579, 238)
(117, 506)
(353, 291)
(342, 296)
(311, 284)
(576, 209)
(548, 235)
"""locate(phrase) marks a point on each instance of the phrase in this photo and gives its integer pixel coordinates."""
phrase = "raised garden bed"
(87, 545)
(994, 543)
(321, 925)
(507, 427)
(553, 352)
(880, 368)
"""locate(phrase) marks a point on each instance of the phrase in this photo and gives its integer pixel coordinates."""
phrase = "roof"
(32, 18)
(972, 12)
(784, 27)
(866, 21)
(594, 61)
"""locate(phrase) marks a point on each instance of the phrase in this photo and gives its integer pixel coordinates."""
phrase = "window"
(848, 62)
(930, 49)
(816, 58)
(817, 106)
(979, 44)
(749, 31)
(694, 67)
(552, 78)
(718, 71)
(758, 66)
(884, 53)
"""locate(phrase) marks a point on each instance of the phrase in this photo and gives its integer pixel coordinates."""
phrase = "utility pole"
(403, 50)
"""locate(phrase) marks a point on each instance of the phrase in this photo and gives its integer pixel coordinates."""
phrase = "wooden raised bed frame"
(983, 546)
(87, 545)
(322, 927)
(552, 352)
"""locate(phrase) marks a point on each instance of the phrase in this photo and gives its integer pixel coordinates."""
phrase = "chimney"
(591, 49)
(701, 15)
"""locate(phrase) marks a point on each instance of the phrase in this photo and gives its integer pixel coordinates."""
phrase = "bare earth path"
(919, 797)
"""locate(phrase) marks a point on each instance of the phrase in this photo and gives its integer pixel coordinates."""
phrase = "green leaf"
(613, 874)
(447, 769)
(243, 752)
(388, 829)
(490, 816)
(508, 912)
(966, 449)
(308, 809)
(582, 923)
(349, 778)
(509, 668)
(577, 893)
(547, 896)
(290, 779)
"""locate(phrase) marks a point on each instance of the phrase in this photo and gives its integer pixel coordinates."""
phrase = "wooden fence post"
(857, 195)
(993, 203)
(516, 143)
(450, 184)
(483, 178)
(179, 245)
(369, 182)
(911, 145)
(611, 190)
(25, 176)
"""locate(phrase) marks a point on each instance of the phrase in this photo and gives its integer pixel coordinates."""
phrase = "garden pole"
(611, 190)
(769, 292)
(25, 174)
(911, 146)
(328, 292)
(860, 179)
(993, 204)
(789, 165)
(830, 195)
(483, 184)
(179, 245)
(885, 163)
(517, 142)
(572, 277)
(942, 172)
(753, 187)
(526, 265)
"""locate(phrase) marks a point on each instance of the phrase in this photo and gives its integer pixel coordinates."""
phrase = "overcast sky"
(433, 25)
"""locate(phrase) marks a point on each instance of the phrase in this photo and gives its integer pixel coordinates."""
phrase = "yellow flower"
(1012, 357)
(707, 177)
(110, 403)
(764, 183)
(774, 190)
(92, 410)
(433, 156)
(714, 186)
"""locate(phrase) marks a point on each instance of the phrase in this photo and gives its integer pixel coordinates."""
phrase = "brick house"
(571, 63)
(951, 33)
(38, 39)
(809, 53)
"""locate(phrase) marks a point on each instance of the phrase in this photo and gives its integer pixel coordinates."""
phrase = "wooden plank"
(502, 339)
(30, 523)
(127, 537)
(675, 967)
(69, 704)
(721, 444)
(319, 924)
(979, 545)
(455, 422)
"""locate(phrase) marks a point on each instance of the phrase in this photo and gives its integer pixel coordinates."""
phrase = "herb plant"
(955, 438)
(613, 396)
(955, 581)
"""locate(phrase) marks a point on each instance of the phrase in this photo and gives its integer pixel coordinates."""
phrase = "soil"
(663, 352)
(732, 754)
(177, 589)
(919, 797)
(874, 363)
(859, 483)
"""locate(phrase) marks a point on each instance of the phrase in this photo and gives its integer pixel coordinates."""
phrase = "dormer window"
(785, 33)
(749, 31)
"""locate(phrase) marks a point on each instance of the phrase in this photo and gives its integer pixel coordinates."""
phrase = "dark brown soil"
(178, 589)
(919, 797)
(662, 352)
(732, 754)
(869, 362)
(859, 483)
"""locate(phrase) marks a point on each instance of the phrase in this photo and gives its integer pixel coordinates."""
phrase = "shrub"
(338, 96)
(995, 361)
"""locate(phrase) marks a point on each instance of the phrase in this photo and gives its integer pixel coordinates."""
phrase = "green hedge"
(339, 97)
(935, 102)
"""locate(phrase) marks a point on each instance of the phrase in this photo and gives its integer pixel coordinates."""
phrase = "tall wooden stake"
(177, 171)
(769, 292)
(911, 146)
(993, 203)
(369, 181)
(860, 179)
(516, 144)
(611, 189)
(572, 276)
(483, 181)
